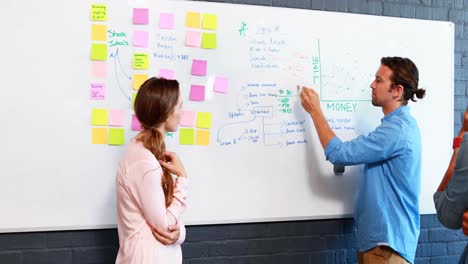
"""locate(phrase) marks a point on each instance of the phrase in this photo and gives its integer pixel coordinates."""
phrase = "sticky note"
(210, 21)
(140, 38)
(140, 61)
(98, 32)
(166, 74)
(188, 118)
(98, 12)
(99, 117)
(209, 40)
(116, 117)
(140, 16)
(97, 91)
(99, 69)
(202, 137)
(133, 98)
(204, 120)
(186, 136)
(221, 84)
(193, 38)
(138, 80)
(98, 52)
(116, 136)
(99, 135)
(136, 126)
(166, 21)
(197, 93)
(192, 20)
(199, 67)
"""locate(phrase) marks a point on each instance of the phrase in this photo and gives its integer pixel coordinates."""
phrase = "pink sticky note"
(166, 21)
(193, 38)
(197, 93)
(188, 118)
(140, 16)
(199, 67)
(221, 84)
(116, 118)
(140, 38)
(166, 74)
(99, 69)
(98, 91)
(136, 126)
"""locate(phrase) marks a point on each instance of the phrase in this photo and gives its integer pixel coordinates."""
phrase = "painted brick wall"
(323, 241)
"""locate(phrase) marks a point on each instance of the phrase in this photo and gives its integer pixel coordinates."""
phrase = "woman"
(149, 201)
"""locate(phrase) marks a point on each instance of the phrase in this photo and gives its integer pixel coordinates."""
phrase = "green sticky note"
(116, 136)
(140, 61)
(99, 117)
(204, 120)
(133, 99)
(209, 41)
(98, 12)
(98, 52)
(186, 136)
(210, 21)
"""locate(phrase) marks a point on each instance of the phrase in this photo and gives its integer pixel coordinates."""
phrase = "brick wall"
(323, 241)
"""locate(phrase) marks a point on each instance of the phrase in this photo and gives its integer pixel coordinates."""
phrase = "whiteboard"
(264, 161)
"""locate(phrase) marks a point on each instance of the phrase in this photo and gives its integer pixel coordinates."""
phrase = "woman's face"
(172, 123)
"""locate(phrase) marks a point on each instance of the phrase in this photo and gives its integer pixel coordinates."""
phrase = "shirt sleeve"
(451, 203)
(183, 233)
(149, 195)
(381, 144)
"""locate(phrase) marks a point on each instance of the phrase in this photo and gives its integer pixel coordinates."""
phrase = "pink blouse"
(141, 205)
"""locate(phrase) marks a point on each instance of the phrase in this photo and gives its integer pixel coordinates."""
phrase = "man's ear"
(397, 91)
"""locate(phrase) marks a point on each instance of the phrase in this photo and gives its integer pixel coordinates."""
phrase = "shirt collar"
(399, 110)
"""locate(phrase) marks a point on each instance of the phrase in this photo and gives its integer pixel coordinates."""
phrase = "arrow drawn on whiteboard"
(115, 56)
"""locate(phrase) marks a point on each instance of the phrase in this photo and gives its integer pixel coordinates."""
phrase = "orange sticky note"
(202, 137)
(192, 20)
(99, 135)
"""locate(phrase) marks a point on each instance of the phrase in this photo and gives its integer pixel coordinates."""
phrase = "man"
(451, 198)
(387, 206)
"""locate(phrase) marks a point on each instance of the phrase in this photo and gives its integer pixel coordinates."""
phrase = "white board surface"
(264, 161)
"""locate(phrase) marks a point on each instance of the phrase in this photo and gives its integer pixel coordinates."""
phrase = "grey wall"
(324, 241)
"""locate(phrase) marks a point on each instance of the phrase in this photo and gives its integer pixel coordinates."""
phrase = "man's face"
(381, 87)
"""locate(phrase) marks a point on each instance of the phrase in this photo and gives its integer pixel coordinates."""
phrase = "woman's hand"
(167, 237)
(173, 164)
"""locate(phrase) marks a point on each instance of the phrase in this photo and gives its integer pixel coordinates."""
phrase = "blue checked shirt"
(387, 205)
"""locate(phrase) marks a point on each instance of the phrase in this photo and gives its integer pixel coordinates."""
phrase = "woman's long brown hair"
(155, 101)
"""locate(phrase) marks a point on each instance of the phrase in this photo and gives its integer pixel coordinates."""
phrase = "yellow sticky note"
(98, 32)
(204, 120)
(210, 21)
(99, 117)
(99, 135)
(138, 80)
(186, 136)
(203, 137)
(98, 52)
(98, 12)
(140, 61)
(116, 136)
(209, 41)
(192, 20)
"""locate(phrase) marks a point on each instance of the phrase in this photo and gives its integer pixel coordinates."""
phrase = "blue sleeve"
(453, 201)
(381, 144)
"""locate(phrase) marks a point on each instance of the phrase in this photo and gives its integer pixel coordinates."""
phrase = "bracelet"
(456, 142)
